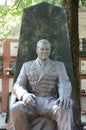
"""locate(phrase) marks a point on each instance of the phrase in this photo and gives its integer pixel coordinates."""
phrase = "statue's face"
(43, 51)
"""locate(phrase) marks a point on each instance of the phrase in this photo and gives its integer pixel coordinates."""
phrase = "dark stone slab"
(48, 22)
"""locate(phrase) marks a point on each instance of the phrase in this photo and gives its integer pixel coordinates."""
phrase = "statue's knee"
(20, 109)
(17, 106)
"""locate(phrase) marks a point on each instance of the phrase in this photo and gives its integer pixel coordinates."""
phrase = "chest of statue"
(43, 82)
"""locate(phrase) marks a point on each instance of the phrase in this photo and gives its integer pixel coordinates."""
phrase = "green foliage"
(1, 9)
(82, 2)
(19, 5)
(9, 16)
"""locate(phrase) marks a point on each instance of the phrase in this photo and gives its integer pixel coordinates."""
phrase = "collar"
(41, 61)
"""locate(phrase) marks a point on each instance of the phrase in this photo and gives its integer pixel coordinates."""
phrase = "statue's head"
(43, 49)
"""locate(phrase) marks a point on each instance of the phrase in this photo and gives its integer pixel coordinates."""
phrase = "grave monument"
(44, 21)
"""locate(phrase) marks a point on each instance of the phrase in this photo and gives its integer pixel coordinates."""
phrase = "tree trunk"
(71, 7)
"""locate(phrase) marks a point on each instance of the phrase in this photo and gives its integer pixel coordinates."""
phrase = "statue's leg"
(50, 109)
(21, 116)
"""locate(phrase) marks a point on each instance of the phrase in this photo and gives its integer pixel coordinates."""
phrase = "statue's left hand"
(64, 102)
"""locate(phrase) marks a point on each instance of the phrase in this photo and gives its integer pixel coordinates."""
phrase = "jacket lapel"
(41, 73)
(46, 69)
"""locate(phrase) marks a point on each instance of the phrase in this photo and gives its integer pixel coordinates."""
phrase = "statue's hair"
(43, 41)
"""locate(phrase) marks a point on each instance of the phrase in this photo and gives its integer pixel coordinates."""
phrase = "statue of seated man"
(42, 89)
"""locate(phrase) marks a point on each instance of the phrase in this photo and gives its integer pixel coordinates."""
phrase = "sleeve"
(64, 85)
(20, 86)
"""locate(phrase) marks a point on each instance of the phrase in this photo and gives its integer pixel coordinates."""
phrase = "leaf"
(1, 9)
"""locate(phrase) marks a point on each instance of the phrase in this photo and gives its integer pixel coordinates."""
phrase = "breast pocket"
(52, 72)
(32, 76)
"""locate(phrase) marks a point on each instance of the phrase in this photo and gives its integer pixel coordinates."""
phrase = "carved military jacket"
(51, 81)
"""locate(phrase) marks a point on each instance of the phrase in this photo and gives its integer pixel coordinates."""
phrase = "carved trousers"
(46, 107)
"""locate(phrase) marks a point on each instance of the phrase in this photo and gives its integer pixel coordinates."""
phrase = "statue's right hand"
(29, 99)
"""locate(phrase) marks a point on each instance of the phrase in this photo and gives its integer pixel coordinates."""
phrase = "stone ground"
(83, 119)
(2, 121)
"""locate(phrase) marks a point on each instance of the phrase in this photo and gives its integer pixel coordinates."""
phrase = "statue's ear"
(36, 50)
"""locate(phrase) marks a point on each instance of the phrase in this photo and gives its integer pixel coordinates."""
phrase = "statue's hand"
(64, 102)
(29, 99)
